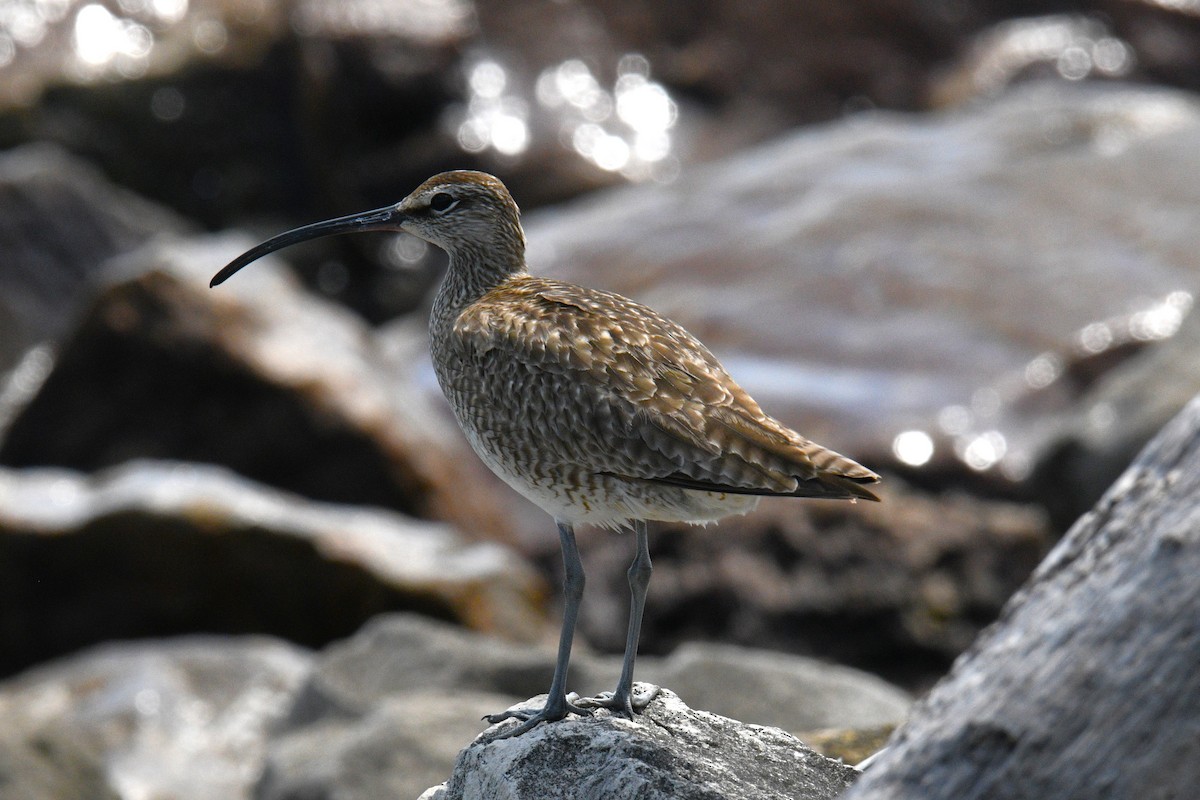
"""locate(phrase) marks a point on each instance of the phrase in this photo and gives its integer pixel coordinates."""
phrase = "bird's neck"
(471, 274)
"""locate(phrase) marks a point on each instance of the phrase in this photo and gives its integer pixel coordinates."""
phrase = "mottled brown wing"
(658, 388)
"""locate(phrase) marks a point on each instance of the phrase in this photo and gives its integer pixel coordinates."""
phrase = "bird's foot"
(552, 711)
(627, 702)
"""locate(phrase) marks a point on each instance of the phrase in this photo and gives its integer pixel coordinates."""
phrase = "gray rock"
(151, 548)
(670, 751)
(1088, 685)
(186, 719)
(404, 653)
(407, 742)
(776, 689)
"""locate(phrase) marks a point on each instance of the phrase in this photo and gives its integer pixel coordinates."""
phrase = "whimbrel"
(594, 407)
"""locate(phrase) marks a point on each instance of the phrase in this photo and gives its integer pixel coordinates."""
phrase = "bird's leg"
(623, 698)
(557, 705)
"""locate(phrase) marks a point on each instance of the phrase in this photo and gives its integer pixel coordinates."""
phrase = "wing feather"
(691, 425)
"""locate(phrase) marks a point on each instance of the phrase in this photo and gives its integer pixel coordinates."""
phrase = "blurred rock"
(670, 751)
(154, 549)
(398, 700)
(900, 275)
(250, 100)
(852, 745)
(1164, 36)
(59, 221)
(232, 112)
(405, 743)
(1071, 46)
(325, 409)
(898, 588)
(782, 64)
(382, 714)
(1138, 41)
(272, 113)
(784, 691)
(187, 719)
(52, 45)
(257, 375)
(399, 654)
(734, 77)
(1088, 444)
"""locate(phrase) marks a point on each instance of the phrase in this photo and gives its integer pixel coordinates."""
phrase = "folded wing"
(664, 408)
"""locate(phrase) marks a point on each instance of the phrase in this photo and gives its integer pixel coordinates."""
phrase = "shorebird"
(596, 408)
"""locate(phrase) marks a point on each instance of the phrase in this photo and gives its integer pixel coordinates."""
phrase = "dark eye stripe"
(442, 202)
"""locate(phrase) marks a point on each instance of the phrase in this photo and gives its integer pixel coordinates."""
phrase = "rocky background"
(957, 241)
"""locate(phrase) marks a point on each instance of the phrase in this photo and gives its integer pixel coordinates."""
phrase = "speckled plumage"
(593, 406)
(599, 409)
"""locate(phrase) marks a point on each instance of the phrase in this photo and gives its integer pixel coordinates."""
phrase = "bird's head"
(463, 212)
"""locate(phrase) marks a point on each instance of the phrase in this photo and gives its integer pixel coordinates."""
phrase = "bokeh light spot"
(914, 448)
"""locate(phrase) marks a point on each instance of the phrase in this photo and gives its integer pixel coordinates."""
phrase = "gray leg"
(556, 706)
(623, 698)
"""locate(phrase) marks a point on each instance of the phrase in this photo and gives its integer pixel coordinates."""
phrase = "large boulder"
(669, 752)
(1088, 684)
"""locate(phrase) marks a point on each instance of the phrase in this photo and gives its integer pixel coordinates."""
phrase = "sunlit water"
(49, 42)
(623, 126)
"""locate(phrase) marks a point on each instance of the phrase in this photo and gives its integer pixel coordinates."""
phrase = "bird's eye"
(442, 202)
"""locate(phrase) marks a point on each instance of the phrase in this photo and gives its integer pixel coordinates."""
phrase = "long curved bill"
(381, 219)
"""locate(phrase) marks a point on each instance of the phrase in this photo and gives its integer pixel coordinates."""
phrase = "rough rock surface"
(1088, 684)
(670, 751)
(151, 549)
